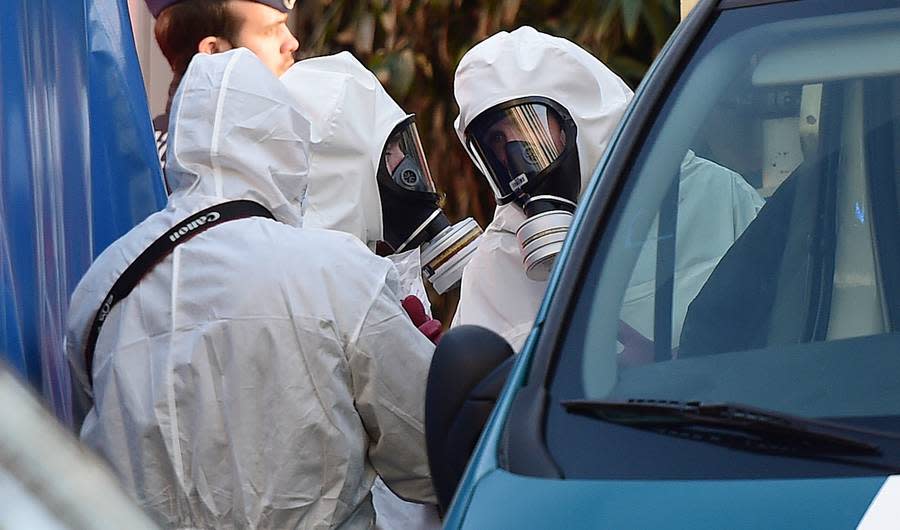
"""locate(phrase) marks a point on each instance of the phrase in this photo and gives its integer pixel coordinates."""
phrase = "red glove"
(429, 327)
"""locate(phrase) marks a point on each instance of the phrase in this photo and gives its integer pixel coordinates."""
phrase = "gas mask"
(411, 212)
(526, 147)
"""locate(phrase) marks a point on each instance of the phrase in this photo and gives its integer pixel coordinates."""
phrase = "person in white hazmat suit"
(261, 374)
(529, 77)
(715, 206)
(357, 143)
(368, 172)
(536, 113)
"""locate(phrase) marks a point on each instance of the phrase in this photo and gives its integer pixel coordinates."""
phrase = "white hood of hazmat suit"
(495, 292)
(351, 116)
(261, 374)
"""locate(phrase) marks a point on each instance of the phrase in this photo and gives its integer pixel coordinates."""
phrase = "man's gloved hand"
(429, 327)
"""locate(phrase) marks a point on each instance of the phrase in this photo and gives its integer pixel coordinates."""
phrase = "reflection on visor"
(405, 162)
(516, 143)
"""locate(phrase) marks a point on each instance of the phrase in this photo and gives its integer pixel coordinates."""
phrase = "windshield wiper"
(738, 426)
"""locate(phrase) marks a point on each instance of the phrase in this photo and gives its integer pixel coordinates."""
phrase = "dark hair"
(181, 27)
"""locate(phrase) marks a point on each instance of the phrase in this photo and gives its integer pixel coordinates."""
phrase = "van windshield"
(753, 257)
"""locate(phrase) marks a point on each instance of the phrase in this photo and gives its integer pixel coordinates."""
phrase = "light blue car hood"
(504, 500)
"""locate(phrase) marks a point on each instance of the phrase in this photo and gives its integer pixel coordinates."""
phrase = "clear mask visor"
(513, 145)
(404, 159)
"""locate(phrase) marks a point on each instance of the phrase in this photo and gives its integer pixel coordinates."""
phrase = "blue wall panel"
(77, 168)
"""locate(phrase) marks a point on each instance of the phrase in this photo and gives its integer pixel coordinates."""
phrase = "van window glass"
(754, 255)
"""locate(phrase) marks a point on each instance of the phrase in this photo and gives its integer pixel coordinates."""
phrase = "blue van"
(718, 346)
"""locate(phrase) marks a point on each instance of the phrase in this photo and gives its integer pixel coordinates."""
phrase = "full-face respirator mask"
(411, 212)
(526, 147)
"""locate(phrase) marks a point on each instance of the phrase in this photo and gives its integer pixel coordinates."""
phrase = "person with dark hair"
(185, 28)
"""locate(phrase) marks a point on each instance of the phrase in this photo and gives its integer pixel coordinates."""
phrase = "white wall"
(157, 74)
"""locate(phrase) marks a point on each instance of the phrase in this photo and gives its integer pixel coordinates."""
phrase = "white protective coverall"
(262, 374)
(495, 292)
(351, 116)
(715, 205)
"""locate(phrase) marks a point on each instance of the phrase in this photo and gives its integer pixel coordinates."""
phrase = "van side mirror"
(468, 371)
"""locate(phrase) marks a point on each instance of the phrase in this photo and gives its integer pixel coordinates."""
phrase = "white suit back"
(261, 374)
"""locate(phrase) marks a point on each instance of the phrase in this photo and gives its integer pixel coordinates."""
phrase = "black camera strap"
(157, 251)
